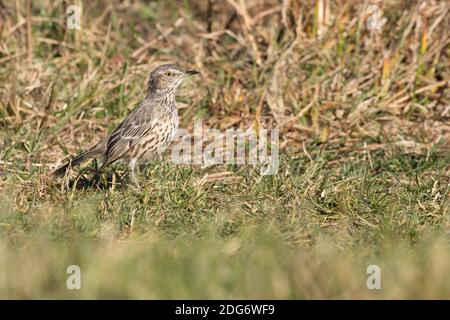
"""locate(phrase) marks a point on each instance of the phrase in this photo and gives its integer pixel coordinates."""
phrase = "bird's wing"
(137, 124)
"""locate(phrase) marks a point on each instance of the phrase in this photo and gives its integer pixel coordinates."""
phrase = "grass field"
(364, 176)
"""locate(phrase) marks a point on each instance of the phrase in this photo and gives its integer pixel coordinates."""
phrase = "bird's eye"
(169, 74)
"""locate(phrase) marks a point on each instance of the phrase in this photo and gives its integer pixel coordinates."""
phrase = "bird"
(147, 130)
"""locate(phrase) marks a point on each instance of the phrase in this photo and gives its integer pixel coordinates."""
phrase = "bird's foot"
(135, 183)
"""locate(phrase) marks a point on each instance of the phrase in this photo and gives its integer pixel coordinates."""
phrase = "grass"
(364, 167)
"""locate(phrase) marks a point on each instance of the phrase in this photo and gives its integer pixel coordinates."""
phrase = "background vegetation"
(364, 174)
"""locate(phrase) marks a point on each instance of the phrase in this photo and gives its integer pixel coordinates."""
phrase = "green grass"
(309, 232)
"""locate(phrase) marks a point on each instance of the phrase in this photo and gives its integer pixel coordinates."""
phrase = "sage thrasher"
(147, 130)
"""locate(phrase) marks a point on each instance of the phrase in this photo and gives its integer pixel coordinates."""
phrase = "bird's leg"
(132, 167)
(97, 176)
(143, 169)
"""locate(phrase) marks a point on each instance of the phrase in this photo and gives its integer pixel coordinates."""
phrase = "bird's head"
(166, 78)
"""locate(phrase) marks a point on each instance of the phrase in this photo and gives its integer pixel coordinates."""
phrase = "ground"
(363, 112)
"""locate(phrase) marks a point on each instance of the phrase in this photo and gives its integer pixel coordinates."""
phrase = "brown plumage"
(147, 130)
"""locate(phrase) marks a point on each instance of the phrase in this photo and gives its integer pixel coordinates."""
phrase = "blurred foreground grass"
(255, 264)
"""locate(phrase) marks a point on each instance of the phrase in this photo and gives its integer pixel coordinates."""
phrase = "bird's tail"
(82, 157)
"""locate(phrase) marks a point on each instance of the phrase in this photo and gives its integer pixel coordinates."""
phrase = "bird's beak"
(191, 73)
